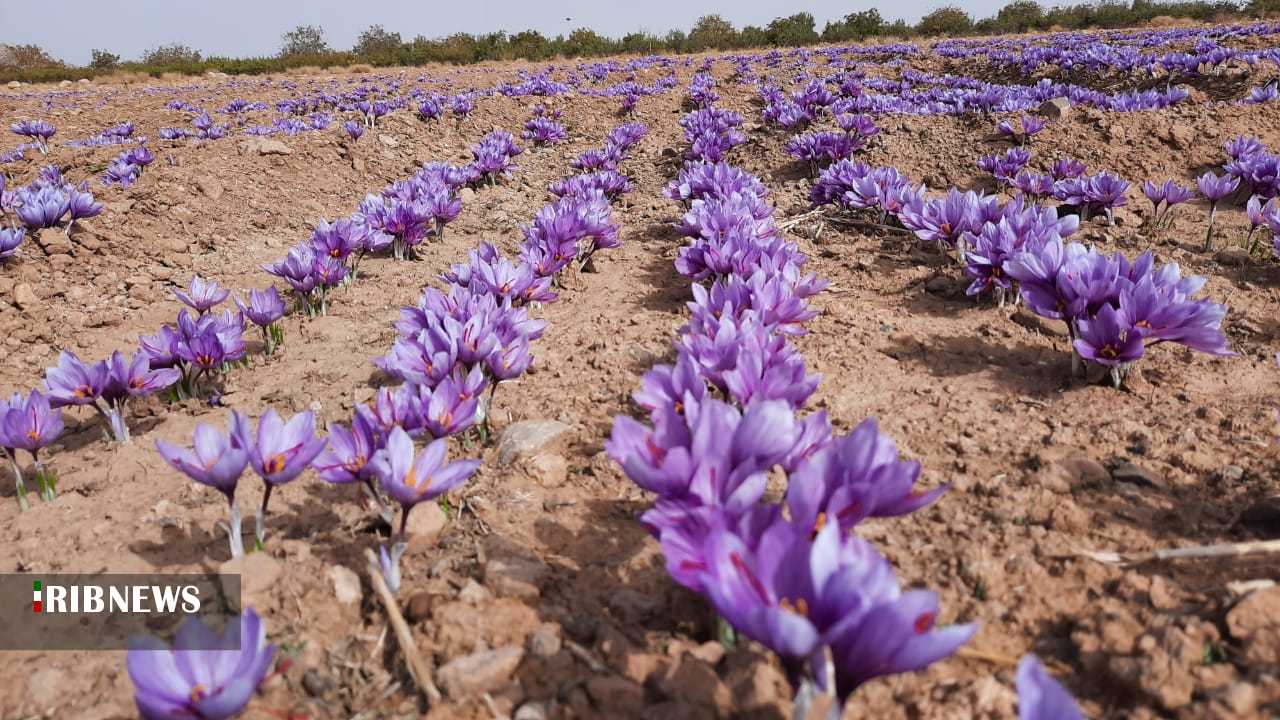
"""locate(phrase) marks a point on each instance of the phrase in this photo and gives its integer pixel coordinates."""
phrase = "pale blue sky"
(69, 29)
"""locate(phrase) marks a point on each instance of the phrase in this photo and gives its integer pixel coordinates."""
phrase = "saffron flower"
(216, 459)
(830, 607)
(201, 294)
(411, 478)
(81, 205)
(1040, 697)
(30, 424)
(38, 131)
(354, 129)
(10, 239)
(265, 308)
(129, 378)
(1214, 189)
(278, 452)
(203, 676)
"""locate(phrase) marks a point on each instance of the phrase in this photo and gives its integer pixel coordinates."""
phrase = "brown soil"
(545, 554)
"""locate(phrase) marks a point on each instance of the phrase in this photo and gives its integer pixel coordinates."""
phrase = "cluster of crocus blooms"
(610, 183)
(461, 105)
(204, 675)
(125, 168)
(431, 108)
(1093, 194)
(1028, 127)
(493, 154)
(277, 451)
(29, 423)
(820, 148)
(1257, 169)
(45, 203)
(353, 129)
(722, 418)
(1115, 308)
(107, 385)
(38, 131)
(201, 347)
(1163, 198)
(711, 133)
(1005, 166)
(544, 127)
(702, 91)
(205, 127)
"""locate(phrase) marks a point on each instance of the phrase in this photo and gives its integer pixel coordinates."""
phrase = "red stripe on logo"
(35, 605)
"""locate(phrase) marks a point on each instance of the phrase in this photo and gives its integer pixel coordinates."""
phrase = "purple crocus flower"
(203, 676)
(202, 294)
(42, 207)
(348, 452)
(411, 478)
(264, 309)
(1107, 339)
(129, 378)
(37, 130)
(216, 459)
(855, 477)
(10, 239)
(30, 424)
(1040, 697)
(265, 306)
(81, 205)
(73, 382)
(278, 452)
(1214, 189)
(828, 606)
(1260, 214)
(354, 129)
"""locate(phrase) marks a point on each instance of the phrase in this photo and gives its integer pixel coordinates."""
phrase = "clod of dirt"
(1255, 622)
(1262, 518)
(479, 672)
(526, 437)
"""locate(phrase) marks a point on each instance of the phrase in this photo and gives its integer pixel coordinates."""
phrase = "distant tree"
(103, 60)
(855, 26)
(792, 30)
(712, 31)
(865, 24)
(753, 36)
(26, 57)
(640, 42)
(530, 45)
(173, 55)
(378, 46)
(584, 42)
(948, 20)
(303, 40)
(676, 41)
(1020, 16)
(1263, 8)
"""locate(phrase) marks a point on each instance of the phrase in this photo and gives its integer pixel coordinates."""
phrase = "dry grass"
(123, 77)
(360, 69)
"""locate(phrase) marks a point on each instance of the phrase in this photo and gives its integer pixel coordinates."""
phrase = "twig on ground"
(413, 659)
(493, 708)
(1226, 550)
(585, 656)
